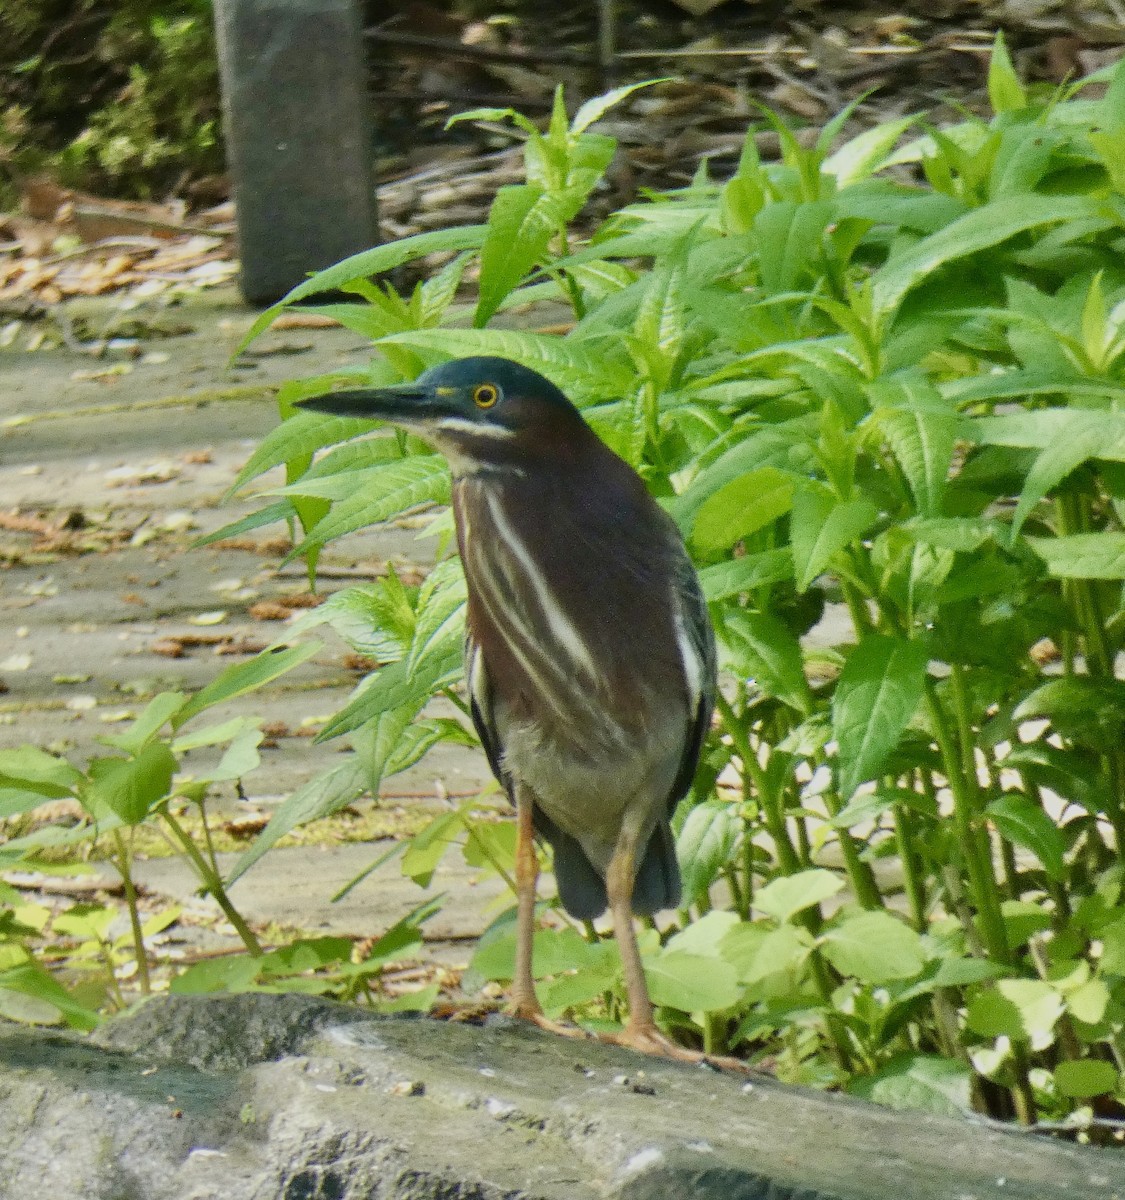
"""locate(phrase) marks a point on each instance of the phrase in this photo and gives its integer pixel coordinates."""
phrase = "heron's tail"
(582, 888)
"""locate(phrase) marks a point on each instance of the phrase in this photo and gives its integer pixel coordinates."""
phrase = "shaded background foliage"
(122, 98)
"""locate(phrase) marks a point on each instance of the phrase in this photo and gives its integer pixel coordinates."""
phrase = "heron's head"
(482, 412)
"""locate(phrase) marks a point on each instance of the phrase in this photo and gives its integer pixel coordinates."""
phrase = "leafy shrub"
(883, 383)
(122, 98)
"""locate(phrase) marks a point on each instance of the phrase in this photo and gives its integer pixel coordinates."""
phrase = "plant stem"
(207, 839)
(714, 1025)
(456, 701)
(860, 875)
(1074, 516)
(738, 895)
(837, 1032)
(982, 882)
(770, 804)
(912, 877)
(124, 865)
(212, 883)
(105, 953)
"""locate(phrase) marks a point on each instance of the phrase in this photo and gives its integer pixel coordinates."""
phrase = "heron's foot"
(529, 1010)
(648, 1039)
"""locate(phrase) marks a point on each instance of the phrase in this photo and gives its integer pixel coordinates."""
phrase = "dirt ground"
(109, 469)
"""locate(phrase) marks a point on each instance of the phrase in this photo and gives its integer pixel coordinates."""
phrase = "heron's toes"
(649, 1040)
(524, 1010)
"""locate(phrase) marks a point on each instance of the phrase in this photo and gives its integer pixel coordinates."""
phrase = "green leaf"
(239, 759)
(821, 525)
(1085, 1078)
(388, 744)
(1049, 427)
(964, 534)
(296, 438)
(785, 949)
(283, 510)
(1089, 1001)
(745, 573)
(320, 797)
(370, 262)
(866, 153)
(392, 489)
(691, 982)
(596, 107)
(30, 765)
(90, 922)
(213, 735)
(521, 222)
(740, 507)
(428, 847)
(789, 236)
(231, 973)
(566, 363)
(440, 623)
(490, 844)
(977, 230)
(1021, 1009)
(160, 710)
(246, 677)
(921, 430)
(577, 987)
(875, 947)
(30, 979)
(1084, 440)
(659, 325)
(1005, 92)
(1083, 555)
(761, 648)
(130, 787)
(418, 739)
(706, 936)
(922, 1082)
(1112, 937)
(397, 686)
(704, 846)
(420, 1001)
(21, 799)
(791, 894)
(877, 693)
(1025, 824)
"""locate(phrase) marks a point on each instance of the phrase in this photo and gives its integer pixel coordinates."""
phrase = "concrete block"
(298, 127)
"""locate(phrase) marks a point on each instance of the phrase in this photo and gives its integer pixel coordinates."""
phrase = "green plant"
(141, 781)
(885, 384)
(334, 966)
(118, 97)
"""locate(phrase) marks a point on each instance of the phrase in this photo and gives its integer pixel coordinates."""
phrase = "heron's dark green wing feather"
(701, 642)
(581, 889)
(484, 718)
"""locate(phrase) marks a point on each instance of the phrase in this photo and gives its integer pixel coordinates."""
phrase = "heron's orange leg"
(641, 1031)
(524, 1002)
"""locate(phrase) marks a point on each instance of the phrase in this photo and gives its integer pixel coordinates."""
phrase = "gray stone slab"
(256, 1096)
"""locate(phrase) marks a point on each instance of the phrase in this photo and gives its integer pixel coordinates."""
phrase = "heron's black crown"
(494, 391)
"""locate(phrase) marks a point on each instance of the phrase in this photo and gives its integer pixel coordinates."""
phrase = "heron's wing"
(697, 650)
(483, 714)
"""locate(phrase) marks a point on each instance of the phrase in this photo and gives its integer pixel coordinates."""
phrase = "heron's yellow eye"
(485, 395)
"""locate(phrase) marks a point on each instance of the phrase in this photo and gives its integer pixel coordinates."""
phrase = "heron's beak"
(405, 402)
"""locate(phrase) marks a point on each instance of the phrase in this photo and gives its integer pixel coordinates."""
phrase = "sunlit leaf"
(877, 694)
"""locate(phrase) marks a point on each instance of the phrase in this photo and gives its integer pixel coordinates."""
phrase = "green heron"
(589, 656)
